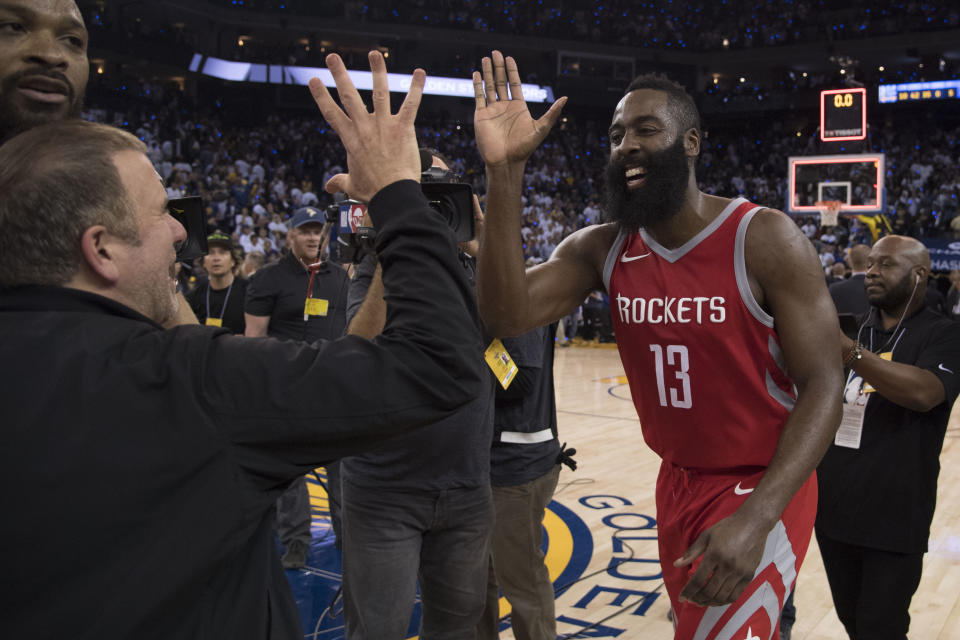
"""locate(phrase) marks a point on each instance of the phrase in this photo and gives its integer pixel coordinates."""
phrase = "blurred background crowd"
(256, 152)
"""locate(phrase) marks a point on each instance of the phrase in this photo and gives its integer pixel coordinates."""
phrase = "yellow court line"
(615, 380)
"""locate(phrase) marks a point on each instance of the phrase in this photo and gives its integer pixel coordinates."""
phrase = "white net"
(829, 212)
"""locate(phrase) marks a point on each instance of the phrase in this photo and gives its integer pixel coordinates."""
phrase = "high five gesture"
(381, 147)
(505, 130)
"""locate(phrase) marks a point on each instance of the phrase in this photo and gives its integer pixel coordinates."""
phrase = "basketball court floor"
(601, 531)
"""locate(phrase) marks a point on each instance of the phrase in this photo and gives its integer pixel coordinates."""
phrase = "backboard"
(855, 180)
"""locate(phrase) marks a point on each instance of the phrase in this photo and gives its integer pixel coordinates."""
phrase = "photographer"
(172, 446)
(418, 506)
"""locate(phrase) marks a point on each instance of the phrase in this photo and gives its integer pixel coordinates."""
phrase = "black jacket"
(453, 453)
(139, 466)
(850, 296)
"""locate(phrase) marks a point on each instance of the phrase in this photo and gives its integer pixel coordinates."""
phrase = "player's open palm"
(505, 130)
(731, 551)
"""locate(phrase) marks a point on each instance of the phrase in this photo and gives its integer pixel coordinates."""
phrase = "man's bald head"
(909, 249)
(43, 63)
(858, 256)
(896, 274)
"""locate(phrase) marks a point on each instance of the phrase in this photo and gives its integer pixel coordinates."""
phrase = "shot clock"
(843, 115)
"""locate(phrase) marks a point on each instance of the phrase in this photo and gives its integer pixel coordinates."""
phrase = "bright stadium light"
(397, 82)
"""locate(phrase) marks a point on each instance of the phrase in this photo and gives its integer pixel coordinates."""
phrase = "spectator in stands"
(836, 273)
(953, 295)
(252, 262)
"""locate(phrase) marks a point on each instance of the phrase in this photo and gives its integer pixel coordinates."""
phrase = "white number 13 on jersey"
(678, 359)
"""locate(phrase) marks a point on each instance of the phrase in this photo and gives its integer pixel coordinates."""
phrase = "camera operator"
(172, 446)
(292, 301)
(418, 505)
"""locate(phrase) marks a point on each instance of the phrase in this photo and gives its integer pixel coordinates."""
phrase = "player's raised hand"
(381, 147)
(506, 132)
(731, 551)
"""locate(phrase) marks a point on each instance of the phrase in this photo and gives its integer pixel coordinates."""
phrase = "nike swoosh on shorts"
(741, 492)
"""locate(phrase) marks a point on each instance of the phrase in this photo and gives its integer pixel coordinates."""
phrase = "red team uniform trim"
(709, 382)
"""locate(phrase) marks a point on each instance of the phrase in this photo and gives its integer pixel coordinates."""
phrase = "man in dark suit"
(850, 296)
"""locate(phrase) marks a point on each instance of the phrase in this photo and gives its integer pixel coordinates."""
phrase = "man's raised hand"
(506, 132)
(381, 147)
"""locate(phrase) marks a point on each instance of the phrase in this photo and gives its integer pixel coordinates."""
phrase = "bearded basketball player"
(726, 332)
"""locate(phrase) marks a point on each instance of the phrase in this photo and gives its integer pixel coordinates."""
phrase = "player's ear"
(691, 142)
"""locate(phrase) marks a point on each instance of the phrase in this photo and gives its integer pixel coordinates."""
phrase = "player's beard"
(15, 119)
(658, 199)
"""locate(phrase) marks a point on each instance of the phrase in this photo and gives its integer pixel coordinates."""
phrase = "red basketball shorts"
(691, 501)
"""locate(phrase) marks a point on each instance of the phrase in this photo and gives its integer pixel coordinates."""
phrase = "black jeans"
(390, 538)
(293, 514)
(871, 589)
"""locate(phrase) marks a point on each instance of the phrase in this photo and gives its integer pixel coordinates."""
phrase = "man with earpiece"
(878, 481)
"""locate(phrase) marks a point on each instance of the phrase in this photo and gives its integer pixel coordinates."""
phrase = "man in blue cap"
(285, 300)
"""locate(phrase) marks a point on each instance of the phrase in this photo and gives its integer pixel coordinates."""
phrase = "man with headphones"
(878, 481)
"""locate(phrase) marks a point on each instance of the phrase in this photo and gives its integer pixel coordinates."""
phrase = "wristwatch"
(854, 355)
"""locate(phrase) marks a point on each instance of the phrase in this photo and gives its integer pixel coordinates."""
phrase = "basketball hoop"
(829, 212)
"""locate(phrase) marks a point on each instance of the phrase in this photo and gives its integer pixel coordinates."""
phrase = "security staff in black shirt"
(878, 482)
(278, 303)
(218, 300)
(293, 300)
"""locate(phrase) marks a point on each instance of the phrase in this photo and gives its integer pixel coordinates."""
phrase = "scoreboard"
(919, 91)
(843, 115)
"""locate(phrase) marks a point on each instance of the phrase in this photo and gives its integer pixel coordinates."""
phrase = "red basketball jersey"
(706, 371)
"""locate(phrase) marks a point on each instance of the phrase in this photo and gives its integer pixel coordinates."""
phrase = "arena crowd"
(253, 178)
